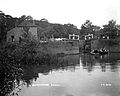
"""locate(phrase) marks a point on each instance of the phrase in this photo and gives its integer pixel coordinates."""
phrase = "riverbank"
(112, 45)
(35, 53)
(14, 55)
(38, 59)
(61, 47)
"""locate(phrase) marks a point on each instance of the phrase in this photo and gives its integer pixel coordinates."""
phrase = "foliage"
(89, 28)
(7, 22)
(49, 30)
(56, 30)
(110, 29)
(24, 18)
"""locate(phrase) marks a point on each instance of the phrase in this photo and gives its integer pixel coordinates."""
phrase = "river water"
(73, 75)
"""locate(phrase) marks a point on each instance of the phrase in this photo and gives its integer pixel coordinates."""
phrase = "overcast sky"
(65, 11)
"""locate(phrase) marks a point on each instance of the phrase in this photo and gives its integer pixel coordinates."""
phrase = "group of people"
(102, 50)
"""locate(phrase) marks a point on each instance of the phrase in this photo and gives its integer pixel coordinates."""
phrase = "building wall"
(16, 33)
(98, 44)
(33, 31)
(94, 44)
(81, 45)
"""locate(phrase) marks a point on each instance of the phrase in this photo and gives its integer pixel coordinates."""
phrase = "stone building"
(16, 34)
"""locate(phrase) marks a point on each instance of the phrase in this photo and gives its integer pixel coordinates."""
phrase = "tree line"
(112, 29)
(48, 30)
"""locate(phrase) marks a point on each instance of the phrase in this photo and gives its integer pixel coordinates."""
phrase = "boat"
(100, 52)
(93, 52)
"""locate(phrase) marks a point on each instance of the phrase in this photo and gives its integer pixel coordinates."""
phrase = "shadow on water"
(14, 77)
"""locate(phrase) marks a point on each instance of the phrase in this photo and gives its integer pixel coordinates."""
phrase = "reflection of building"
(103, 62)
(17, 33)
(103, 67)
(73, 37)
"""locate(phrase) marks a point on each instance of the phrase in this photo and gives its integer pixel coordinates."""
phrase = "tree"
(24, 18)
(110, 29)
(44, 20)
(87, 28)
(7, 22)
(4, 25)
(29, 17)
(71, 29)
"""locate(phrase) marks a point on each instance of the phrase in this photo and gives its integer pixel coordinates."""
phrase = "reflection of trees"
(109, 60)
(103, 67)
(13, 74)
(88, 62)
(69, 62)
(31, 71)
(114, 66)
(103, 60)
(29, 74)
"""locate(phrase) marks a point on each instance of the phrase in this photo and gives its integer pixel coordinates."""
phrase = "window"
(20, 39)
(12, 37)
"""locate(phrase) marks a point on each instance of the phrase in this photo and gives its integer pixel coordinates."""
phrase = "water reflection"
(12, 78)
(104, 61)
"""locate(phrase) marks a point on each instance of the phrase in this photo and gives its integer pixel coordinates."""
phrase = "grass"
(62, 47)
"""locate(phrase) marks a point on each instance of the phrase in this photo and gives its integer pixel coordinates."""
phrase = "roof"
(16, 30)
(27, 23)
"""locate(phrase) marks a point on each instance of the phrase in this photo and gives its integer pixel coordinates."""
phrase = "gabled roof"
(16, 30)
(27, 23)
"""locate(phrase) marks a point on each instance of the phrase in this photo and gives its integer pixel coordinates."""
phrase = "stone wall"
(108, 44)
(33, 31)
(81, 45)
(16, 33)
(111, 45)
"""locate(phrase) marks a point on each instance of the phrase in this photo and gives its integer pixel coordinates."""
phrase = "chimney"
(33, 22)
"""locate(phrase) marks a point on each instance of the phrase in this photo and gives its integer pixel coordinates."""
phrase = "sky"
(76, 12)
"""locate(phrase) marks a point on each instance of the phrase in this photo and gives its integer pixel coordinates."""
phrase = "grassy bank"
(62, 47)
(34, 52)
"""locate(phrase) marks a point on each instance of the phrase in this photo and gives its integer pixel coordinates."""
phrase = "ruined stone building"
(17, 34)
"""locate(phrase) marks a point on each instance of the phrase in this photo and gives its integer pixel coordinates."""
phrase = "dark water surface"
(73, 75)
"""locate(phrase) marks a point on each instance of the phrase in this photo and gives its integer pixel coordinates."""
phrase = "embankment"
(61, 47)
(113, 45)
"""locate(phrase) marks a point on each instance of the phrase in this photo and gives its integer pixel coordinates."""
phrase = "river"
(73, 75)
